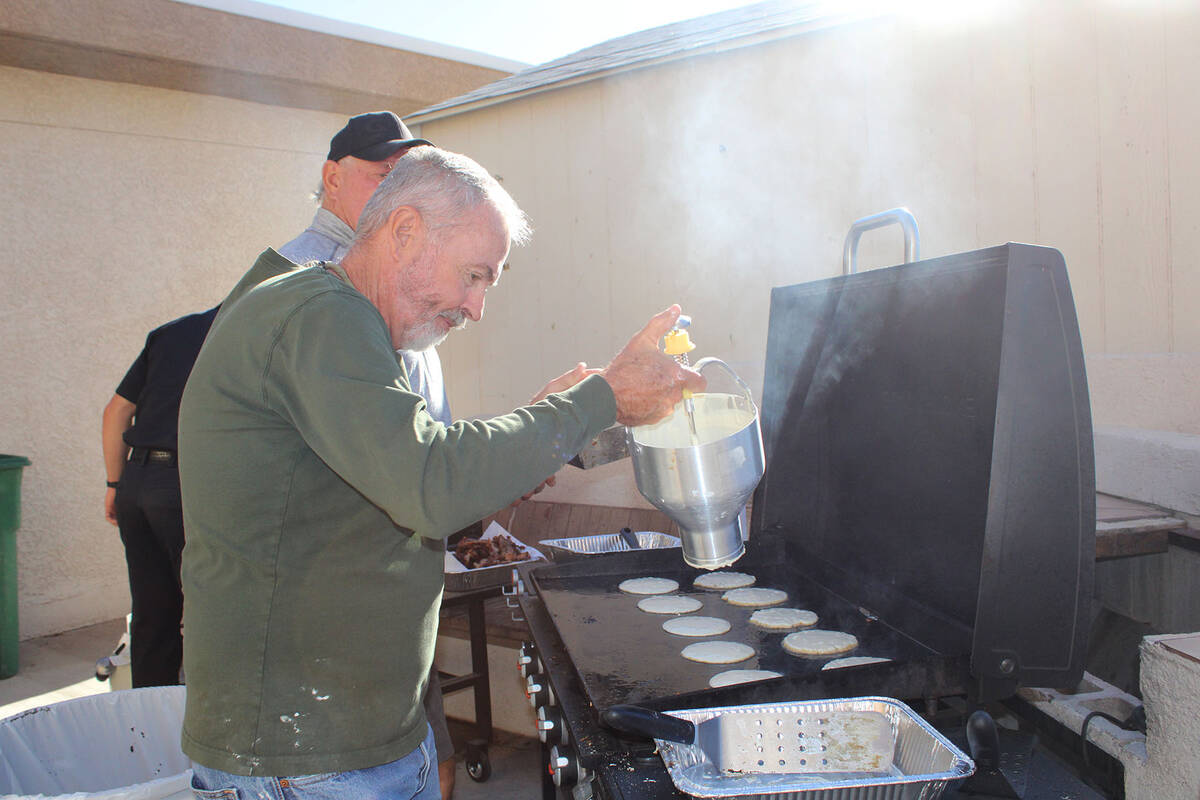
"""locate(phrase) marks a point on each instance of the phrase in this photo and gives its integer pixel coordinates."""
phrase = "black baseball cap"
(372, 137)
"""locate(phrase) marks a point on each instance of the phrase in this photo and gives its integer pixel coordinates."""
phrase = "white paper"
(493, 530)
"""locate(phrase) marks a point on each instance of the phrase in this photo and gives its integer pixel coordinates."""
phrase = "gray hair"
(442, 186)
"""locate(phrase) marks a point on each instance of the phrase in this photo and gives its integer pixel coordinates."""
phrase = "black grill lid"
(929, 453)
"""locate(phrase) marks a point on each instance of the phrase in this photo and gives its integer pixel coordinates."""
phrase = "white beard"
(430, 334)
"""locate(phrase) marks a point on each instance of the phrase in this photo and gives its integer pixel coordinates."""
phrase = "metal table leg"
(478, 680)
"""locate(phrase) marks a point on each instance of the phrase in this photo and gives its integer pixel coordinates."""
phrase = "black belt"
(150, 455)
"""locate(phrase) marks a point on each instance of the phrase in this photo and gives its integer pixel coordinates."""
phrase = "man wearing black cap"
(360, 157)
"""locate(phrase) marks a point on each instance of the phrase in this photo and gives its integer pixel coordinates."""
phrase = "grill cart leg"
(478, 766)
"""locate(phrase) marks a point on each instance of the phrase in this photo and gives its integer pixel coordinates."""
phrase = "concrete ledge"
(1093, 694)
(1171, 686)
(1163, 763)
(1157, 467)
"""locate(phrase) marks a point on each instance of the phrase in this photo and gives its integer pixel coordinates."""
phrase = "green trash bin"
(10, 519)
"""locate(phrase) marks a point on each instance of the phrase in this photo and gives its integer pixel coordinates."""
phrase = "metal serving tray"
(922, 764)
(461, 579)
(570, 549)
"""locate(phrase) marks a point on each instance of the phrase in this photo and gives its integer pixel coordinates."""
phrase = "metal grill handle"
(704, 362)
(893, 216)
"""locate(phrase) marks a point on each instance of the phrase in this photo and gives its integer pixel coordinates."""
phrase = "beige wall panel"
(806, 172)
(1001, 109)
(678, 206)
(125, 207)
(566, 313)
(1133, 176)
(40, 98)
(813, 190)
(1183, 154)
(554, 302)
(498, 369)
(920, 140)
(513, 340)
(650, 189)
(586, 325)
(1156, 391)
(1066, 130)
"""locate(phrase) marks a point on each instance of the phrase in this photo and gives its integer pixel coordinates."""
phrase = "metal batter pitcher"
(703, 480)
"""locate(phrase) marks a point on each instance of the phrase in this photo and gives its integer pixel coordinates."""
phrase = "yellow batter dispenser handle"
(677, 344)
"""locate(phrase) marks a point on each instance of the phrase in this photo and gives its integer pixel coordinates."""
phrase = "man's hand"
(646, 382)
(565, 381)
(548, 482)
(117, 418)
(561, 383)
(110, 505)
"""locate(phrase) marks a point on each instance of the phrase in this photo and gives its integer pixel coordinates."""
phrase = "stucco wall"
(124, 207)
(709, 180)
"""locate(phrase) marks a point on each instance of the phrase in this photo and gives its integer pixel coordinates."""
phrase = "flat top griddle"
(622, 654)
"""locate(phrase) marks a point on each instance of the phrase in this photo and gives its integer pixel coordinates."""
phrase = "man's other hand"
(565, 381)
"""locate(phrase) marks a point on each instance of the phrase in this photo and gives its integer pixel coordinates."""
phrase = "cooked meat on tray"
(476, 553)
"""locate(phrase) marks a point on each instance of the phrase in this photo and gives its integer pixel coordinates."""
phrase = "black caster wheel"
(479, 768)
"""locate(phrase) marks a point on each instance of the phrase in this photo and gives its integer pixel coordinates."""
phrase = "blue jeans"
(413, 777)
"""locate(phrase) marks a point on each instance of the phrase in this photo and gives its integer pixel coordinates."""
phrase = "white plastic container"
(115, 667)
(114, 745)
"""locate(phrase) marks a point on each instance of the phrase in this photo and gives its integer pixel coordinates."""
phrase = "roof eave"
(453, 108)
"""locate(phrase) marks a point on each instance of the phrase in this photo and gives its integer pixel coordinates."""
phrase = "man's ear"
(331, 178)
(406, 232)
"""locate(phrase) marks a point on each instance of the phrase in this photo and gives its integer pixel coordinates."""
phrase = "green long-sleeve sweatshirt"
(316, 490)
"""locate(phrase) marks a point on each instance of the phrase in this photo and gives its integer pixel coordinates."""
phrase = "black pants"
(150, 516)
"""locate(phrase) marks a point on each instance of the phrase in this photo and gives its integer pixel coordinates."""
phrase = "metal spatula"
(774, 739)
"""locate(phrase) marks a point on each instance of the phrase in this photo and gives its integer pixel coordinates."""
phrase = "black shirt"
(155, 381)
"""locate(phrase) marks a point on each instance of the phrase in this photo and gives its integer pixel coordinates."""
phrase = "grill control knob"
(551, 726)
(527, 660)
(565, 767)
(537, 689)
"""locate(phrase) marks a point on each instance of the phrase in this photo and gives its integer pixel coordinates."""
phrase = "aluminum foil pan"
(570, 549)
(922, 763)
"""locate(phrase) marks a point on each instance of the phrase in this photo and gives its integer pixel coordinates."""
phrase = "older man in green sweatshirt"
(316, 487)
